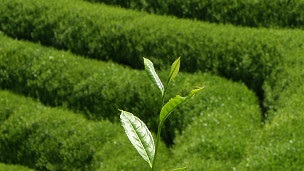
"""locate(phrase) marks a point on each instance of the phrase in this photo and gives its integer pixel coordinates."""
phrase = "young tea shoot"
(137, 131)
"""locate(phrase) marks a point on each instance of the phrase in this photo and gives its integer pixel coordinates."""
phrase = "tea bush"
(286, 79)
(143, 5)
(286, 13)
(55, 139)
(217, 138)
(97, 89)
(51, 139)
(61, 79)
(279, 145)
(125, 36)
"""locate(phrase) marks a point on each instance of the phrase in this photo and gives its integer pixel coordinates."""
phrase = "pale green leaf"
(174, 70)
(149, 67)
(173, 103)
(139, 135)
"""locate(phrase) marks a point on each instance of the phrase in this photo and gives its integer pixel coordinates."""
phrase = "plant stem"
(160, 124)
(163, 98)
(157, 142)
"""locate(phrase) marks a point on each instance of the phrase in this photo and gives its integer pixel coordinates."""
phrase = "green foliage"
(259, 13)
(142, 5)
(7, 167)
(125, 36)
(54, 139)
(61, 79)
(51, 139)
(174, 103)
(268, 61)
(137, 131)
(149, 67)
(139, 135)
(279, 145)
(221, 131)
(98, 89)
(120, 155)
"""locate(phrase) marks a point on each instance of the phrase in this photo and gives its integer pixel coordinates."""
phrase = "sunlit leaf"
(149, 67)
(173, 103)
(139, 135)
(174, 70)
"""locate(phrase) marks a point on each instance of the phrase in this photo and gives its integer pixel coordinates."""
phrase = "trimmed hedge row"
(218, 138)
(6, 167)
(50, 139)
(125, 36)
(212, 141)
(55, 139)
(279, 145)
(288, 77)
(98, 89)
(261, 13)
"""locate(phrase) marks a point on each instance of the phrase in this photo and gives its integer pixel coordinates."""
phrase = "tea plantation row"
(253, 56)
(125, 36)
(260, 13)
(52, 71)
(268, 61)
(46, 138)
(99, 89)
(221, 125)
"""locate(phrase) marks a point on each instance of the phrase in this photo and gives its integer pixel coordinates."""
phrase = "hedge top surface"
(259, 13)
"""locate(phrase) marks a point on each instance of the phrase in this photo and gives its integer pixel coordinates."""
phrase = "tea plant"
(137, 131)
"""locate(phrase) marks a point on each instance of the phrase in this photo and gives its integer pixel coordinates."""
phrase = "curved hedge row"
(50, 139)
(99, 89)
(125, 36)
(279, 146)
(261, 13)
(55, 139)
(218, 138)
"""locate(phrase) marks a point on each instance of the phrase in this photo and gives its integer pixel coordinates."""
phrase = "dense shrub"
(287, 78)
(55, 139)
(7, 167)
(142, 5)
(218, 137)
(125, 36)
(61, 79)
(279, 145)
(98, 89)
(261, 13)
(51, 139)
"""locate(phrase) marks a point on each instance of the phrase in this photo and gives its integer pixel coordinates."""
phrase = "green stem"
(157, 143)
(158, 132)
(163, 98)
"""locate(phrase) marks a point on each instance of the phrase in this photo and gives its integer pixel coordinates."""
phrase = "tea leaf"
(173, 103)
(149, 67)
(139, 135)
(174, 70)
